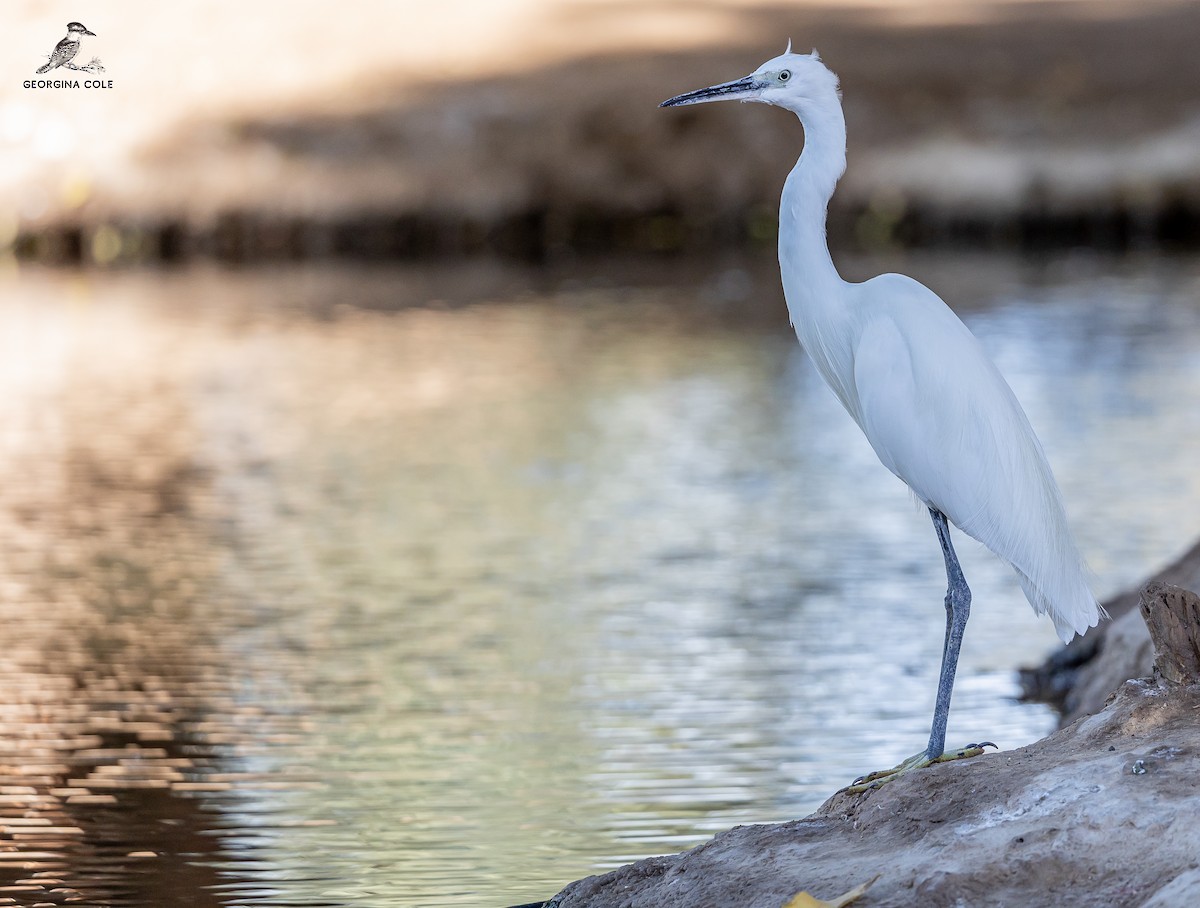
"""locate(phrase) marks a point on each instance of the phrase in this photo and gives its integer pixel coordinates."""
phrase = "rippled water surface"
(448, 586)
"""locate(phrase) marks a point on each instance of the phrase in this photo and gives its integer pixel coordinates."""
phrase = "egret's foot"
(917, 761)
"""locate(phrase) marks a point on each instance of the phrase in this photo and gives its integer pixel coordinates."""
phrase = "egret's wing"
(942, 418)
(925, 411)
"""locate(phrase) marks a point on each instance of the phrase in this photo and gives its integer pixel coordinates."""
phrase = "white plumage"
(934, 407)
(941, 417)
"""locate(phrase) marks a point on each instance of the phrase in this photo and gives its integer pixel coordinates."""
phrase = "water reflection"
(425, 587)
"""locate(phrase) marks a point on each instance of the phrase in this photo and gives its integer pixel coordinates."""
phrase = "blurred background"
(411, 490)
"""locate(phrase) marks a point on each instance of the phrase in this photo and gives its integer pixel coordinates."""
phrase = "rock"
(1183, 890)
(1102, 812)
(1077, 679)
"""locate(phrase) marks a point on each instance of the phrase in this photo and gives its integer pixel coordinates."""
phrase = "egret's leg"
(949, 627)
(958, 609)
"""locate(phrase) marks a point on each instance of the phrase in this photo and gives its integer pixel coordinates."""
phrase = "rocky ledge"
(1102, 812)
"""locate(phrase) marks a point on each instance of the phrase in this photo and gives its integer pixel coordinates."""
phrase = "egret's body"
(933, 406)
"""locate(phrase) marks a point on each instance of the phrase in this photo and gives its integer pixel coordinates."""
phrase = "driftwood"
(1172, 616)
(1076, 679)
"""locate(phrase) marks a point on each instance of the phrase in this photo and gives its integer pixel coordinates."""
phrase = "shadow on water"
(122, 730)
(110, 669)
(448, 585)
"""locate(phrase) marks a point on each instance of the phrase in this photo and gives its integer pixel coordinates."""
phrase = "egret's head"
(789, 80)
(77, 28)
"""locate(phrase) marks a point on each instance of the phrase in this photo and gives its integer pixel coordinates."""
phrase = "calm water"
(445, 587)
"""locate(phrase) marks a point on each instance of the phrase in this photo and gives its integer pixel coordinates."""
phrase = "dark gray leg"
(958, 609)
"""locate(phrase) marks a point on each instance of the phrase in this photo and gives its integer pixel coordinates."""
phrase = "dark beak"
(86, 32)
(747, 89)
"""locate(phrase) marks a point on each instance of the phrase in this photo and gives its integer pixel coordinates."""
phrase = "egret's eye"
(785, 75)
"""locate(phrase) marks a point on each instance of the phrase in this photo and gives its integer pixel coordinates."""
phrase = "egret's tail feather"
(1071, 605)
(45, 68)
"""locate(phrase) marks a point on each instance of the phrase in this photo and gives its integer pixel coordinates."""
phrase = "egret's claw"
(916, 761)
(964, 752)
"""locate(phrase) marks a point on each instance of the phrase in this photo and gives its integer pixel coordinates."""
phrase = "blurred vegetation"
(1015, 124)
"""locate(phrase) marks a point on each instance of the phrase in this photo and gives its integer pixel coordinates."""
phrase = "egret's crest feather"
(789, 47)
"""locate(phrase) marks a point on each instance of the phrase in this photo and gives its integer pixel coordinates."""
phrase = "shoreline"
(1031, 826)
(1009, 125)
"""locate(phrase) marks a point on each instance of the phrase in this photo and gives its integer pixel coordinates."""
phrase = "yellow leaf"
(804, 900)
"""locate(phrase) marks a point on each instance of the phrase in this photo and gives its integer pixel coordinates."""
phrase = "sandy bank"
(1014, 122)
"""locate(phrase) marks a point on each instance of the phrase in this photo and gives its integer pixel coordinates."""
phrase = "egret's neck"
(803, 251)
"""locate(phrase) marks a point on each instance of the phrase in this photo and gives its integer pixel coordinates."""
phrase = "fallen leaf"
(804, 900)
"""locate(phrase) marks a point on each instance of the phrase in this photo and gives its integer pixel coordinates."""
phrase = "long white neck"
(809, 275)
(818, 300)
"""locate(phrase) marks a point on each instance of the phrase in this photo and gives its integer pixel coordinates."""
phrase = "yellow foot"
(917, 761)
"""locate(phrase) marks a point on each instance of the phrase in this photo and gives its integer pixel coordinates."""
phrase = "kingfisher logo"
(62, 63)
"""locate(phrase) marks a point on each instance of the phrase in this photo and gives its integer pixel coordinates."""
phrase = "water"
(446, 586)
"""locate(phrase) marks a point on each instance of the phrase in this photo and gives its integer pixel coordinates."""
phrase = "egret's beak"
(747, 89)
(86, 32)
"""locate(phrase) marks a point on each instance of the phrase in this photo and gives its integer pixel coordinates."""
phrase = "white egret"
(931, 403)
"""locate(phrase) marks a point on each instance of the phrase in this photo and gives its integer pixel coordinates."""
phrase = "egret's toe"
(916, 761)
